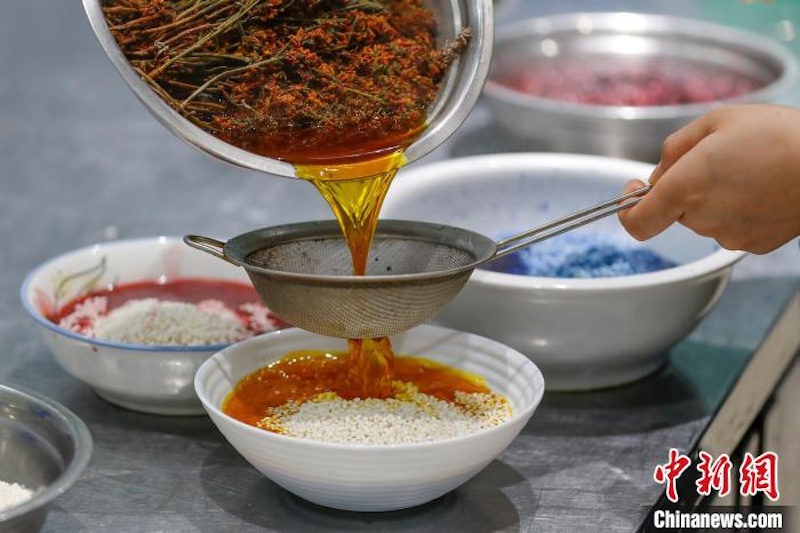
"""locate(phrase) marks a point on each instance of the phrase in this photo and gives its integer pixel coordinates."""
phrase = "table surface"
(81, 161)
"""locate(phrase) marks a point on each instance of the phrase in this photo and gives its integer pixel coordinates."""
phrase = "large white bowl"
(582, 333)
(151, 379)
(373, 477)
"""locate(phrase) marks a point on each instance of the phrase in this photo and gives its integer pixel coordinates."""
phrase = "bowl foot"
(570, 381)
(191, 407)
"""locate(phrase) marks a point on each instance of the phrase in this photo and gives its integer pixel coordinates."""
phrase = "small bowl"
(146, 378)
(45, 448)
(582, 333)
(363, 477)
(633, 132)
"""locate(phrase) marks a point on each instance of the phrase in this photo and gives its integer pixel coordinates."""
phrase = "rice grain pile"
(153, 321)
(408, 417)
(13, 494)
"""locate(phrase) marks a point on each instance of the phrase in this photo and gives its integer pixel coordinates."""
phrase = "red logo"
(760, 474)
(670, 472)
(756, 474)
(714, 475)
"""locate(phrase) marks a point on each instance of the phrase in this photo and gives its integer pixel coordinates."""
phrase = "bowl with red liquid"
(134, 319)
(617, 84)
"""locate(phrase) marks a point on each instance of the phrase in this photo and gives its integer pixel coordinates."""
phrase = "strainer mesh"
(303, 273)
(391, 255)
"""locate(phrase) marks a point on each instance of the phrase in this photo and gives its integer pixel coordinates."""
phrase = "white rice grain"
(409, 417)
(13, 494)
(167, 323)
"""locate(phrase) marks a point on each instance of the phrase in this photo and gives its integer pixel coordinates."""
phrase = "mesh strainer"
(302, 272)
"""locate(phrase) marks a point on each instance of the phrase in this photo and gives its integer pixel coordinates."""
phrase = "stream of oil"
(355, 192)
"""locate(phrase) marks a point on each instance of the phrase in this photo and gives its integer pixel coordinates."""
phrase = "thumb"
(655, 212)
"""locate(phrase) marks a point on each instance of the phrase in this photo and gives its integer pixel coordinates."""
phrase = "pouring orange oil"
(353, 175)
(355, 191)
(354, 178)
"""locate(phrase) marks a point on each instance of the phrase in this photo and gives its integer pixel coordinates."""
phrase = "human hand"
(732, 175)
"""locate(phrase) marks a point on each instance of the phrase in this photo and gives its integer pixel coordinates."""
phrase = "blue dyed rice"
(581, 255)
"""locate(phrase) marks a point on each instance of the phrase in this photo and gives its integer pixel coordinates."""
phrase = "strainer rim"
(330, 229)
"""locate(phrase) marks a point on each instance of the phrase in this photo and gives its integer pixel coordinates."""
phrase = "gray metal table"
(82, 161)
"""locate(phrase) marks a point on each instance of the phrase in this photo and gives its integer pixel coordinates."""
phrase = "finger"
(629, 188)
(655, 212)
(670, 199)
(663, 205)
(632, 186)
(680, 142)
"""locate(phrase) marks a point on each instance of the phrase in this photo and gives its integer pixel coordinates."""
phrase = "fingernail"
(656, 172)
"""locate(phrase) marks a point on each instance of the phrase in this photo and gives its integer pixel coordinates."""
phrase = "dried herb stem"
(277, 57)
(187, 31)
(221, 27)
(135, 22)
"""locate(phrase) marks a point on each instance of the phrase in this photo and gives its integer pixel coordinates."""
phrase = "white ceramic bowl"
(151, 379)
(373, 477)
(634, 132)
(582, 333)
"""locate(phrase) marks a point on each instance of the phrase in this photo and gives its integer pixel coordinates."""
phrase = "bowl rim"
(83, 451)
(216, 413)
(708, 265)
(685, 26)
(30, 307)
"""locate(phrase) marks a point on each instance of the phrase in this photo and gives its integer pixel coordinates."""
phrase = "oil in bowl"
(391, 469)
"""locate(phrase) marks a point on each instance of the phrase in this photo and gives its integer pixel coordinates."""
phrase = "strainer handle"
(569, 222)
(208, 245)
